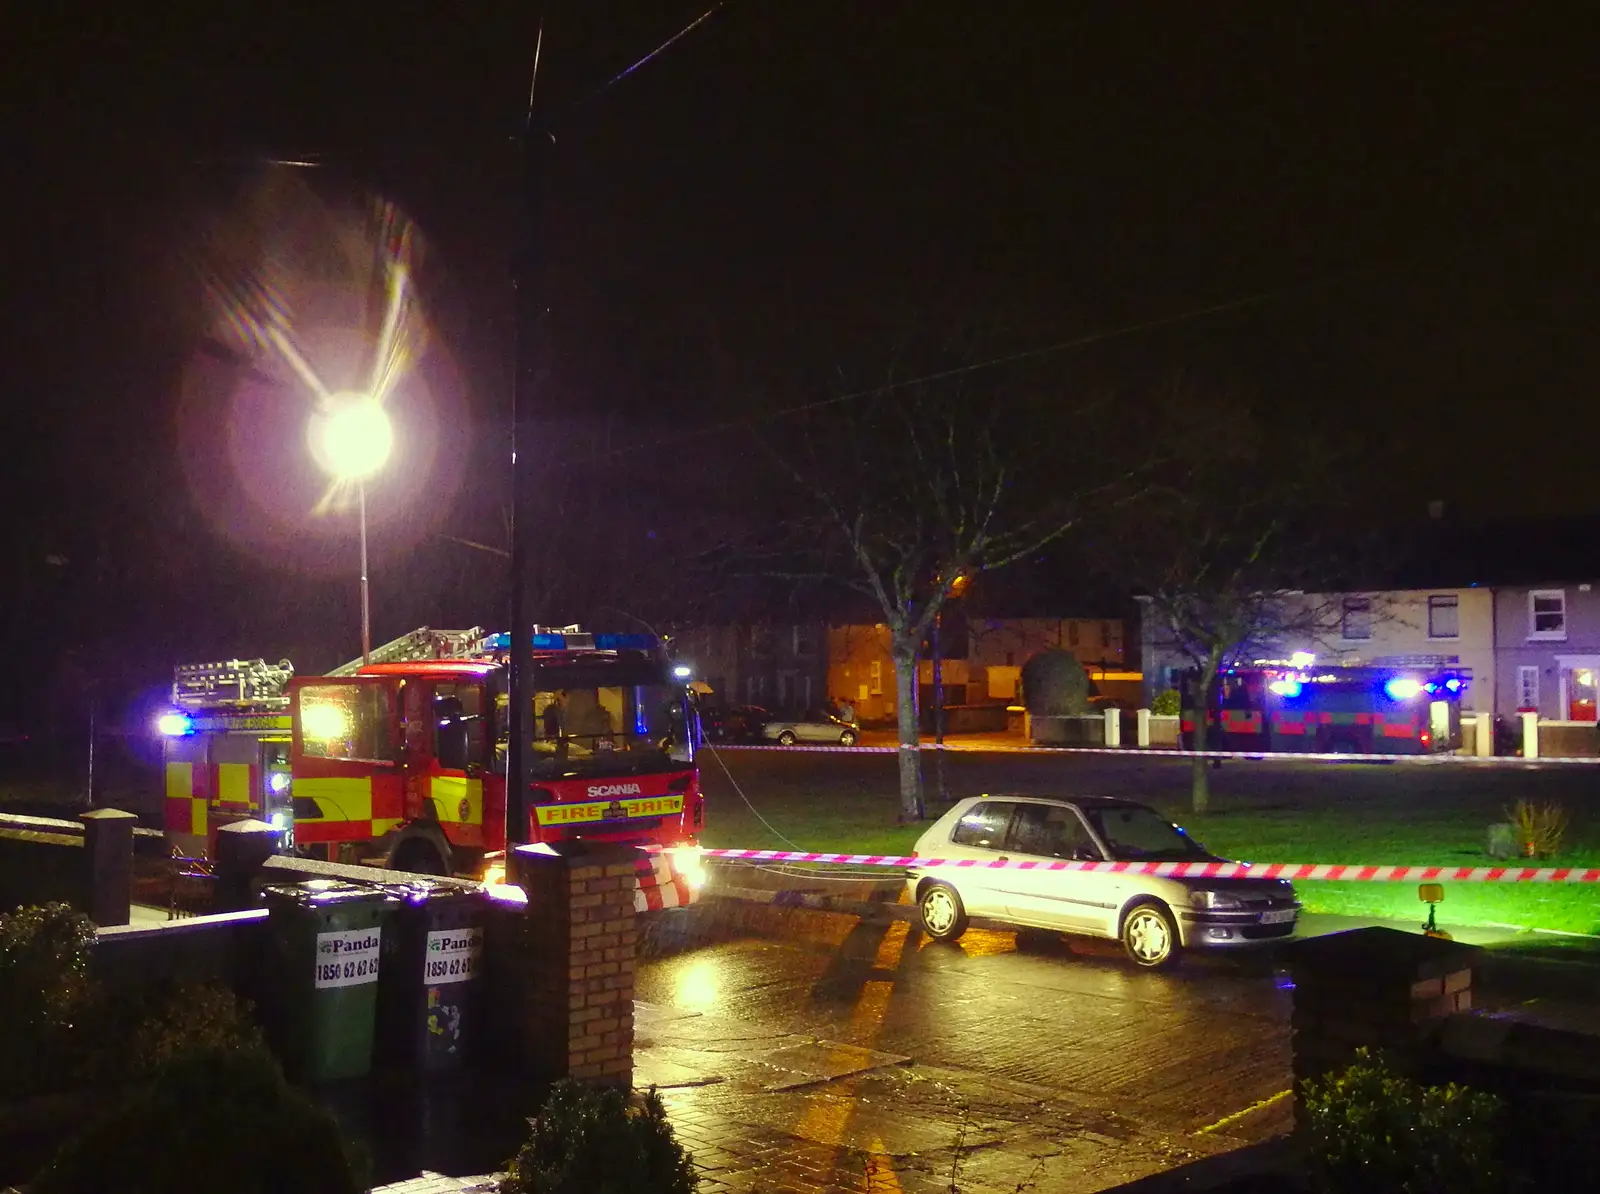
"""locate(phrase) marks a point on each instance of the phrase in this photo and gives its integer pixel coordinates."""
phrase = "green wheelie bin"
(429, 995)
(328, 937)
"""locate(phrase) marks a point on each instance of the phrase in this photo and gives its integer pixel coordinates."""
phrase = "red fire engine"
(400, 761)
(1393, 709)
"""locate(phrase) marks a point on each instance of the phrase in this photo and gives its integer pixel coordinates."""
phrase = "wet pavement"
(805, 1050)
(852, 1055)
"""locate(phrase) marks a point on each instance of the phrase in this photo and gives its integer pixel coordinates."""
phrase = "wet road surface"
(856, 1055)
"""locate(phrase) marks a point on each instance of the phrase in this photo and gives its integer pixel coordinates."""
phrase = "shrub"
(188, 1018)
(590, 1141)
(44, 965)
(1375, 1132)
(210, 1121)
(1539, 828)
(1166, 703)
(1055, 684)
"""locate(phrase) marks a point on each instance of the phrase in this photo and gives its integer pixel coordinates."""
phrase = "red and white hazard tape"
(1195, 870)
(1161, 752)
(660, 883)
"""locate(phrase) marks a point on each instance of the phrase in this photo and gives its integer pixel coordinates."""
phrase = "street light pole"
(527, 275)
(366, 609)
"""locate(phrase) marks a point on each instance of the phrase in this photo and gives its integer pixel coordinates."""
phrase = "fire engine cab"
(401, 760)
(1300, 706)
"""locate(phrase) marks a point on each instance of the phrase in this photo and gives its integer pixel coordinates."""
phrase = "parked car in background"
(1155, 918)
(735, 723)
(815, 726)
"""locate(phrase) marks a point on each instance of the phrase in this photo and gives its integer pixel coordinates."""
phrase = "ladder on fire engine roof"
(231, 683)
(422, 643)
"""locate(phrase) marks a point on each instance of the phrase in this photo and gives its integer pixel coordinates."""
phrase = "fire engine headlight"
(691, 865)
(281, 819)
(1216, 901)
(279, 783)
(175, 725)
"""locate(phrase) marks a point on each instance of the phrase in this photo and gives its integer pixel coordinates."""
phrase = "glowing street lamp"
(351, 438)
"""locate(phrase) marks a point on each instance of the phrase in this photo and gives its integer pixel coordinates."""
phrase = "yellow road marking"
(1250, 1110)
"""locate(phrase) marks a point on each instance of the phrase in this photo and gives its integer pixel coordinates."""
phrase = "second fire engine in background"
(1301, 706)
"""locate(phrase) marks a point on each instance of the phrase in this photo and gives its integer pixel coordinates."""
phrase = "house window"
(1105, 635)
(804, 644)
(1547, 613)
(1357, 620)
(1072, 634)
(875, 673)
(1444, 616)
(1528, 689)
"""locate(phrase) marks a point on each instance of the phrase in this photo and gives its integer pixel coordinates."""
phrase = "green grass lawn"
(1409, 837)
(1377, 817)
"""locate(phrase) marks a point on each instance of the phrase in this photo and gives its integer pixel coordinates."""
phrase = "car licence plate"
(1278, 917)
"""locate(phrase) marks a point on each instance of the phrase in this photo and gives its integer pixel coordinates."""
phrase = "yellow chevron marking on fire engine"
(595, 810)
(180, 781)
(336, 799)
(233, 784)
(447, 793)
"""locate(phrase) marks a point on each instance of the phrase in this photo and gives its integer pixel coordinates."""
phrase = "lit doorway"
(1580, 687)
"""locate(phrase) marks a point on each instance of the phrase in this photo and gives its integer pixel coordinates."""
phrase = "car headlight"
(1215, 900)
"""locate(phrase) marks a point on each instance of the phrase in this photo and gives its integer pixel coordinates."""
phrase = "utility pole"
(938, 707)
(527, 268)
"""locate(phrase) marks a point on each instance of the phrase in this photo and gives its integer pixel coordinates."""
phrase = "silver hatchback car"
(1154, 917)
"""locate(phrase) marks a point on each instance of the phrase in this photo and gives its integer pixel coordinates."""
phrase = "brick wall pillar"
(574, 958)
(243, 848)
(1376, 987)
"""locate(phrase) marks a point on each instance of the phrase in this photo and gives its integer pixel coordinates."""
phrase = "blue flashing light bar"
(625, 642)
(558, 642)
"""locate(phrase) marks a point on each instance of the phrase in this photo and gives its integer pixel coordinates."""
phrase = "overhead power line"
(1083, 341)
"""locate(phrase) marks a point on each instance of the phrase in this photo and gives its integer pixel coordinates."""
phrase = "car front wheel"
(943, 916)
(787, 738)
(848, 738)
(1150, 937)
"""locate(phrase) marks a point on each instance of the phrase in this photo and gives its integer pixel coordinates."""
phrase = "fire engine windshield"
(608, 730)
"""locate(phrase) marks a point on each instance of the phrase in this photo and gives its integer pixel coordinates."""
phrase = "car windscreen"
(1134, 833)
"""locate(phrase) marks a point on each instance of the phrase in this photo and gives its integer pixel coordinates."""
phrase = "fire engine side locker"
(327, 939)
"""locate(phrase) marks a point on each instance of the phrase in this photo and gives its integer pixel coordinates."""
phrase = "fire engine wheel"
(418, 857)
(848, 738)
(787, 738)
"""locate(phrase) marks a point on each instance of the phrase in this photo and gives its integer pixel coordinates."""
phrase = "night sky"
(1408, 189)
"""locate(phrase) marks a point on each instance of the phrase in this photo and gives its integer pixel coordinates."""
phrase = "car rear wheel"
(944, 918)
(848, 738)
(787, 738)
(1149, 936)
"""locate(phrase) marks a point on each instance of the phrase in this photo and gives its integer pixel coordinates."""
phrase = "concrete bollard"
(108, 862)
(1483, 735)
(1142, 727)
(1113, 726)
(1530, 735)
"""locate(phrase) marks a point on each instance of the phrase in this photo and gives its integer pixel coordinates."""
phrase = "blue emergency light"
(175, 725)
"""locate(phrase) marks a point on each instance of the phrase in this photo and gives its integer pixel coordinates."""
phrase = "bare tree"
(905, 494)
(1227, 552)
